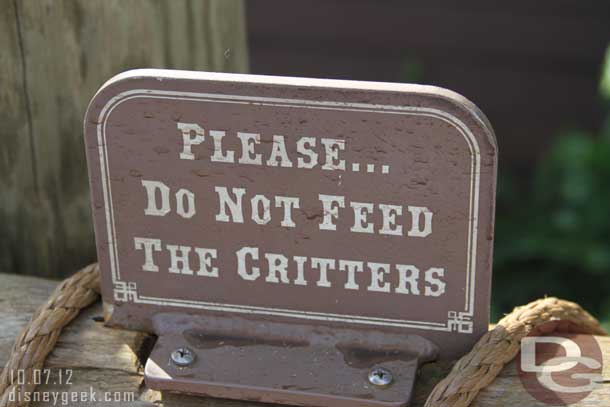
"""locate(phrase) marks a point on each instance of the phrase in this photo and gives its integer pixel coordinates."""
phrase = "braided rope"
(477, 369)
(469, 375)
(38, 338)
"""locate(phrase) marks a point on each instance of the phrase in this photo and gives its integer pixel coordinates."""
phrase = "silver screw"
(380, 377)
(182, 356)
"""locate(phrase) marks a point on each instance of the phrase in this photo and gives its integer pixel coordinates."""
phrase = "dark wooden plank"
(389, 25)
(109, 360)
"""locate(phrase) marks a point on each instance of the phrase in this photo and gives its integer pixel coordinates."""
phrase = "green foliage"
(604, 85)
(412, 69)
(553, 229)
(553, 234)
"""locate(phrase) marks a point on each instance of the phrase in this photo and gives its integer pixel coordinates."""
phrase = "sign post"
(290, 240)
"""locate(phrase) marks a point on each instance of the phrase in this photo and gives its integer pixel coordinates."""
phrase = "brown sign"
(362, 208)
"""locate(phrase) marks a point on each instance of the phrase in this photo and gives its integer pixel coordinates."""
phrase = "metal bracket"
(239, 358)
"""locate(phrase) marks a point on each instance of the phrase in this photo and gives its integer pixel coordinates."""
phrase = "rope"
(483, 363)
(469, 375)
(38, 338)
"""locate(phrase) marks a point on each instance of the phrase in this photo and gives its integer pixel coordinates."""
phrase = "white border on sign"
(459, 321)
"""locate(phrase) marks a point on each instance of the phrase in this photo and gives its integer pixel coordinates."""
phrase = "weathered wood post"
(53, 56)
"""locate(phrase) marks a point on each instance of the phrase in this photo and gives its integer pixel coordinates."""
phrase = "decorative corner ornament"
(299, 241)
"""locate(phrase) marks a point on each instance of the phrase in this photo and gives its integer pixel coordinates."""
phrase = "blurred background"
(539, 70)
(541, 73)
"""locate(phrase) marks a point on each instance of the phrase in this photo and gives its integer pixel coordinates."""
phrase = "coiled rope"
(469, 375)
(39, 336)
(477, 369)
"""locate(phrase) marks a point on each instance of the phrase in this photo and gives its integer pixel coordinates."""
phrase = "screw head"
(182, 356)
(380, 377)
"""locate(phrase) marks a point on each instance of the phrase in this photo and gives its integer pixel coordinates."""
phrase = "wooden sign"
(238, 212)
